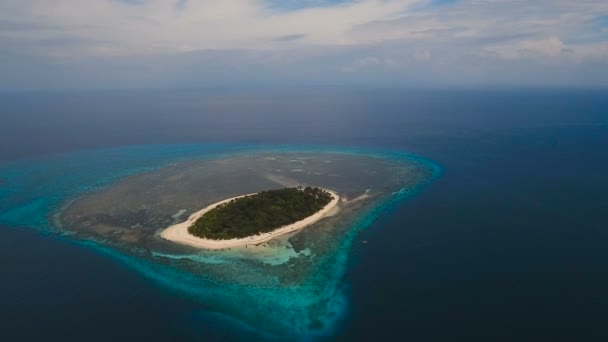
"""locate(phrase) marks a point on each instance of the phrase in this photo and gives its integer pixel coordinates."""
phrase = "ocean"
(508, 244)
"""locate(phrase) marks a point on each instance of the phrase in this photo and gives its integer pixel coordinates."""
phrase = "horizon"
(177, 44)
(463, 143)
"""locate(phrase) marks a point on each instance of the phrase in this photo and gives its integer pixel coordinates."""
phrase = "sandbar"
(179, 232)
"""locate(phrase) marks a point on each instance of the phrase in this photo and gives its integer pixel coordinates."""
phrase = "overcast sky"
(52, 44)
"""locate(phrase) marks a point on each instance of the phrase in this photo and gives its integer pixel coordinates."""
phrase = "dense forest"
(260, 213)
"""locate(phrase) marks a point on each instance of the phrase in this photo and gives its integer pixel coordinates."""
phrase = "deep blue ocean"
(509, 244)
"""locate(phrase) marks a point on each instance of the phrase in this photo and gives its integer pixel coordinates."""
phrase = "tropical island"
(253, 219)
(259, 213)
(288, 278)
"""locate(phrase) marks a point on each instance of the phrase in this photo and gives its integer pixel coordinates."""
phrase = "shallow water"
(508, 244)
(285, 288)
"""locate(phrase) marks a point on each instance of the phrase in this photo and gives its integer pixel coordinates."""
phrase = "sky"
(105, 44)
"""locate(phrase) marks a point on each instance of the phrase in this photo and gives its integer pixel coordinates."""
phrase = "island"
(253, 218)
(284, 282)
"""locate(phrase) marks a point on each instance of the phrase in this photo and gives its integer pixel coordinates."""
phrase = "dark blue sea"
(509, 244)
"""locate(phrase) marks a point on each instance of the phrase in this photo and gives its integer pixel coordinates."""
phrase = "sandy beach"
(179, 232)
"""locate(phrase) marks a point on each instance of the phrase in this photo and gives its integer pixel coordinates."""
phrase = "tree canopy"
(260, 213)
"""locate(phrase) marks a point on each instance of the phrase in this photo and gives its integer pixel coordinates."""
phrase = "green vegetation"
(260, 213)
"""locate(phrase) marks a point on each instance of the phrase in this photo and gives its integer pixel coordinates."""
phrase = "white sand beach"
(179, 232)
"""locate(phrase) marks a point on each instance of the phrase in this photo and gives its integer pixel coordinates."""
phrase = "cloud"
(159, 26)
(436, 41)
(530, 48)
(367, 63)
(290, 37)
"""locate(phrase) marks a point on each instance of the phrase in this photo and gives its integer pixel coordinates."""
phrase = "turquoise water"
(36, 189)
(508, 245)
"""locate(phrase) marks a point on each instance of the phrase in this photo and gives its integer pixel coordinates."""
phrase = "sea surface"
(509, 244)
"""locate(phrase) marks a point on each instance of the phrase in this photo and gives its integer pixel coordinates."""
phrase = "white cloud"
(368, 63)
(158, 26)
(530, 48)
(471, 37)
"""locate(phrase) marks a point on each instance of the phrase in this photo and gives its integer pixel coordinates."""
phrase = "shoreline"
(178, 233)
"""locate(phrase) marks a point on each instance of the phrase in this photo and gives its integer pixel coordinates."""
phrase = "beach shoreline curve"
(179, 233)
